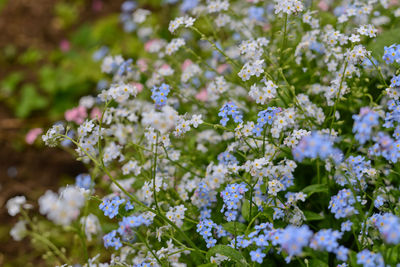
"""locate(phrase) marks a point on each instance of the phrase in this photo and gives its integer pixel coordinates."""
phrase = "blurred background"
(47, 62)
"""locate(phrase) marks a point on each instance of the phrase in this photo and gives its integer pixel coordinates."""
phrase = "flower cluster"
(231, 109)
(314, 146)
(306, 173)
(232, 195)
(159, 95)
(392, 54)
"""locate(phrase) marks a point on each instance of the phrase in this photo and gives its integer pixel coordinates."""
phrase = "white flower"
(91, 224)
(288, 6)
(196, 120)
(14, 205)
(174, 45)
(217, 6)
(367, 30)
(176, 23)
(18, 232)
(139, 16)
(354, 38)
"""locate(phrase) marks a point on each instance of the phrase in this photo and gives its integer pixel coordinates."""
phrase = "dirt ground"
(24, 169)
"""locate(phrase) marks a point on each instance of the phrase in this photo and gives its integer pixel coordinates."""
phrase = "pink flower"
(32, 135)
(97, 5)
(64, 45)
(202, 95)
(95, 113)
(165, 67)
(138, 86)
(142, 64)
(266, 27)
(222, 68)
(76, 115)
(148, 44)
(323, 5)
(186, 64)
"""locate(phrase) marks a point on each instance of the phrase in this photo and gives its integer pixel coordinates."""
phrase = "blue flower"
(211, 242)
(395, 81)
(256, 13)
(370, 259)
(379, 201)
(129, 206)
(316, 145)
(261, 241)
(326, 239)
(83, 180)
(257, 255)
(363, 124)
(389, 227)
(229, 108)
(188, 5)
(226, 158)
(386, 147)
(110, 207)
(342, 204)
(159, 95)
(125, 67)
(292, 239)
(342, 253)
(231, 196)
(110, 240)
(346, 226)
(264, 117)
(392, 54)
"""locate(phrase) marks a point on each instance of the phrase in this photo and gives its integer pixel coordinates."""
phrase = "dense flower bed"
(251, 132)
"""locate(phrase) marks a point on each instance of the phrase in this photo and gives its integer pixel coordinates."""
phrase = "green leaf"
(263, 188)
(229, 252)
(208, 265)
(317, 263)
(353, 258)
(315, 188)
(386, 38)
(246, 210)
(30, 56)
(230, 227)
(312, 216)
(30, 100)
(10, 83)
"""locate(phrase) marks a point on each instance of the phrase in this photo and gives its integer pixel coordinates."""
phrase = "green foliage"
(9, 84)
(312, 216)
(315, 188)
(66, 13)
(30, 56)
(246, 210)
(229, 252)
(30, 101)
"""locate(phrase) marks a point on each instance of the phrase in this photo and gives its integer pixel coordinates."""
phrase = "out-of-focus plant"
(242, 133)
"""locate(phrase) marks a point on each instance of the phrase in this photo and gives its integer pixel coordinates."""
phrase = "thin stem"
(149, 249)
(53, 247)
(134, 199)
(284, 37)
(333, 111)
(178, 164)
(154, 174)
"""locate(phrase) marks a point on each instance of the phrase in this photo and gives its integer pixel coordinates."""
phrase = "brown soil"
(28, 170)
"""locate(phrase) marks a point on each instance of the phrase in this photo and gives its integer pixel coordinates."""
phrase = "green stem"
(149, 249)
(333, 111)
(154, 174)
(133, 198)
(48, 243)
(178, 164)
